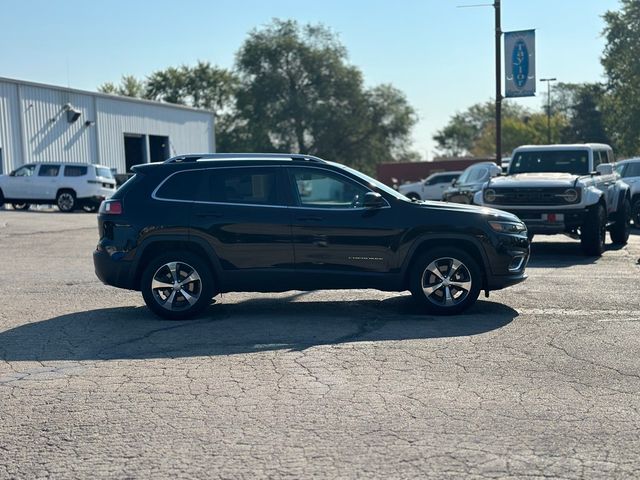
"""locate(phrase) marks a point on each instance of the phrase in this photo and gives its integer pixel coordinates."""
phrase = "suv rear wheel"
(620, 230)
(177, 286)
(21, 206)
(445, 281)
(593, 232)
(66, 201)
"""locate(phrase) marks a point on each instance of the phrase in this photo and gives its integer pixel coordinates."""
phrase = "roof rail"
(195, 157)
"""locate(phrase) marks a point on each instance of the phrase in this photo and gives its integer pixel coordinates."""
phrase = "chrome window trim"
(204, 202)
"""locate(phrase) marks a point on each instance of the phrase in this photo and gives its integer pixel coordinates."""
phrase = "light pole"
(548, 80)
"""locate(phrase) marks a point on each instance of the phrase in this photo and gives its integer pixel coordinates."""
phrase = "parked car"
(431, 188)
(629, 170)
(570, 189)
(470, 181)
(194, 226)
(67, 185)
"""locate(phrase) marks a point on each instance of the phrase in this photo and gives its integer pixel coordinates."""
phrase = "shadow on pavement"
(562, 254)
(249, 326)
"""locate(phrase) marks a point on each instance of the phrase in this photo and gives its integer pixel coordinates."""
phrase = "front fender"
(592, 196)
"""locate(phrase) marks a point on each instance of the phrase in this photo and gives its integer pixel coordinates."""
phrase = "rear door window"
(49, 170)
(244, 186)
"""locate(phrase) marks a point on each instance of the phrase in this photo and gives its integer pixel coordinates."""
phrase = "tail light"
(111, 207)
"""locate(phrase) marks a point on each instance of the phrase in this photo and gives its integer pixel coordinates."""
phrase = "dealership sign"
(520, 63)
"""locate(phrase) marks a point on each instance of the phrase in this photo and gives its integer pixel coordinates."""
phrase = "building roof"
(109, 96)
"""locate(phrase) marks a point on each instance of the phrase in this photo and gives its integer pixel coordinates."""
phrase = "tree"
(468, 132)
(297, 93)
(621, 61)
(201, 86)
(129, 86)
(582, 105)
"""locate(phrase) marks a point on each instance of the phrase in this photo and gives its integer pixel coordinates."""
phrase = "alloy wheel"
(446, 282)
(176, 286)
(66, 201)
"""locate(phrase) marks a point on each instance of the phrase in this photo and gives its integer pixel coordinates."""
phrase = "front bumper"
(549, 221)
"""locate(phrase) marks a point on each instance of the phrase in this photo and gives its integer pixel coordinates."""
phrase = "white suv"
(629, 170)
(67, 185)
(429, 189)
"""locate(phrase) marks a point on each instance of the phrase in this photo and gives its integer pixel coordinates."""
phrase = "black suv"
(194, 226)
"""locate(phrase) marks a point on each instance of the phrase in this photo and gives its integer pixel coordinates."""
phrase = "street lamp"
(548, 80)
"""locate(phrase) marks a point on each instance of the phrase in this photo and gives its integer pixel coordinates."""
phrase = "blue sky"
(441, 56)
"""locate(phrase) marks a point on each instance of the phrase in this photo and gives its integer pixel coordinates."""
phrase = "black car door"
(242, 214)
(332, 231)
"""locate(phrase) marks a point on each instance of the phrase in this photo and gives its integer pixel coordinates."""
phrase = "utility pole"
(498, 33)
(496, 6)
(548, 80)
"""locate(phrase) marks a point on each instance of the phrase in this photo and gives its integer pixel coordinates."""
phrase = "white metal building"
(44, 123)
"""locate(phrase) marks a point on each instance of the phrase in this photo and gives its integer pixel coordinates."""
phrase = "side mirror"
(454, 182)
(495, 171)
(12, 174)
(604, 169)
(373, 200)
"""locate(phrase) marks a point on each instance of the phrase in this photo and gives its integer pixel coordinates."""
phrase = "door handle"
(310, 219)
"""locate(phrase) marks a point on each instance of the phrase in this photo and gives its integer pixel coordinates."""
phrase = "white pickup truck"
(571, 189)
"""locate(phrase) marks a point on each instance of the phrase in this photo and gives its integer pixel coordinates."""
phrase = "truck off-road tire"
(445, 281)
(593, 232)
(177, 285)
(620, 230)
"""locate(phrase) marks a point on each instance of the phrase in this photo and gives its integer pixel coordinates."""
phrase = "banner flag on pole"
(520, 63)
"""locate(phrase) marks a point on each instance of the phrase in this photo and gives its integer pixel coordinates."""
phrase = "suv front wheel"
(177, 286)
(446, 281)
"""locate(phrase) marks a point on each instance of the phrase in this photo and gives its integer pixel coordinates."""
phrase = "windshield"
(373, 182)
(561, 161)
(103, 172)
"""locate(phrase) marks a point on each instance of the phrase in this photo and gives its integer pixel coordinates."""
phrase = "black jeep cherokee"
(194, 226)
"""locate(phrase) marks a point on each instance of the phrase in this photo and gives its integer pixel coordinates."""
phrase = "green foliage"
(129, 86)
(472, 132)
(621, 61)
(298, 94)
(582, 106)
(293, 91)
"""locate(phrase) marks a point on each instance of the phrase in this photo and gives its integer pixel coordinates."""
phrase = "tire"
(413, 196)
(66, 201)
(1, 200)
(635, 213)
(530, 236)
(185, 265)
(593, 232)
(90, 208)
(21, 206)
(620, 230)
(439, 266)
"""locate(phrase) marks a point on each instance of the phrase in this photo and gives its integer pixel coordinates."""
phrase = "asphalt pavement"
(541, 380)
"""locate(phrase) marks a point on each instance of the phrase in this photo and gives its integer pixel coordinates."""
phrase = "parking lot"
(539, 380)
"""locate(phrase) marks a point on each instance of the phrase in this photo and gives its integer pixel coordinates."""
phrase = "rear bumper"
(113, 271)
